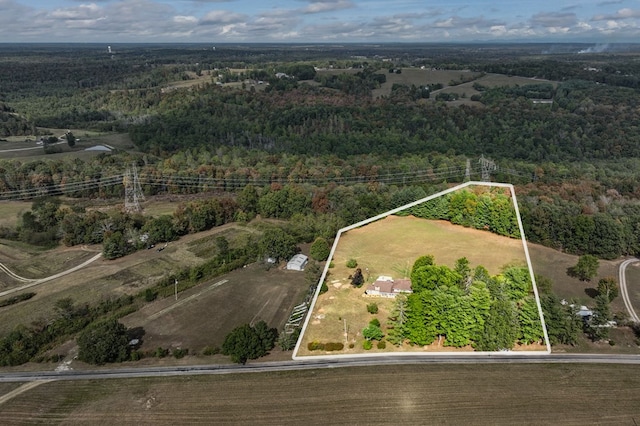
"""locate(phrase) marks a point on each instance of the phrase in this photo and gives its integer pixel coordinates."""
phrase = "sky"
(319, 21)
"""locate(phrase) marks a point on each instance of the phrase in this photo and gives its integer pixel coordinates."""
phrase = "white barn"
(297, 262)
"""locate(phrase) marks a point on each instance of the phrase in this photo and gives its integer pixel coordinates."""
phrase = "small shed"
(297, 262)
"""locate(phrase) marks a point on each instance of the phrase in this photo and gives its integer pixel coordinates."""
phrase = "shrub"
(367, 345)
(150, 295)
(351, 345)
(180, 353)
(16, 299)
(352, 263)
(372, 308)
(333, 346)
(331, 264)
(320, 249)
(324, 288)
(315, 346)
(382, 344)
(161, 352)
(211, 350)
(375, 322)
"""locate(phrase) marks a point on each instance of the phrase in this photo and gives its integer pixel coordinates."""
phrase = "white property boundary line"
(427, 354)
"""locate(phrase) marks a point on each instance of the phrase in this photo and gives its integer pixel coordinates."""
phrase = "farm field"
(389, 247)
(436, 394)
(16, 148)
(102, 278)
(202, 316)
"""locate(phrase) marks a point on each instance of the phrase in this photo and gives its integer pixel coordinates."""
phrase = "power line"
(202, 183)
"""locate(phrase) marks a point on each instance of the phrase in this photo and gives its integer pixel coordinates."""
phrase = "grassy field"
(101, 279)
(10, 211)
(25, 149)
(204, 315)
(554, 264)
(413, 394)
(389, 247)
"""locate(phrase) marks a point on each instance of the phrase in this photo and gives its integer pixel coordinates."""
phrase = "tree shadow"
(591, 292)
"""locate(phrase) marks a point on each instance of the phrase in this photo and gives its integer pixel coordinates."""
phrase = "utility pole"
(175, 285)
(346, 338)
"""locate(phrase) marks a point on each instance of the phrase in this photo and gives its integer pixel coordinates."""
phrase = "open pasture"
(203, 315)
(389, 247)
(98, 280)
(553, 264)
(478, 394)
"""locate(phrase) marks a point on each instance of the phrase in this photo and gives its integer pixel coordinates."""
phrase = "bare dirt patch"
(208, 312)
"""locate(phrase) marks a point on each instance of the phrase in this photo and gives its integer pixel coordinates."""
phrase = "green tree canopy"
(247, 342)
(104, 342)
(320, 249)
(276, 243)
(433, 276)
(586, 268)
(608, 287)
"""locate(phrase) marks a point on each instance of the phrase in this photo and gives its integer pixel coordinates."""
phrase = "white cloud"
(327, 6)
(620, 14)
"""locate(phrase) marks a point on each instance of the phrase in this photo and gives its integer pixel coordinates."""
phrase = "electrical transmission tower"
(467, 172)
(487, 166)
(132, 190)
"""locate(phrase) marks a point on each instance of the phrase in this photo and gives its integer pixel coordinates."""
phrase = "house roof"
(402, 284)
(298, 260)
(387, 285)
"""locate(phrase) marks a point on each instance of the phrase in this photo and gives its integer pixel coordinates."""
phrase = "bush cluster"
(329, 347)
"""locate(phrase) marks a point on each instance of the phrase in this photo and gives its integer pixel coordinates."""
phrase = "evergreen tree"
(501, 328)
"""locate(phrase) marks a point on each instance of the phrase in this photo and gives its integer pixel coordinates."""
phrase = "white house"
(297, 262)
(388, 287)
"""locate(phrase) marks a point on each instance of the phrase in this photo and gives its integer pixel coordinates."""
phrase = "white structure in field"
(297, 262)
(386, 286)
(383, 290)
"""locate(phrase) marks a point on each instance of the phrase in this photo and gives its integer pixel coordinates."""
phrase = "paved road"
(125, 373)
(622, 279)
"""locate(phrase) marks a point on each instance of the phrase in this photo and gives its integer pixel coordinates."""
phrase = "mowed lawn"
(475, 394)
(389, 247)
(554, 264)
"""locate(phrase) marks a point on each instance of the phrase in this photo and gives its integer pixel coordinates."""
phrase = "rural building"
(386, 286)
(297, 262)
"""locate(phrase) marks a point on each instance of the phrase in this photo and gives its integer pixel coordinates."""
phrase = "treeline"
(461, 307)
(27, 343)
(590, 216)
(490, 210)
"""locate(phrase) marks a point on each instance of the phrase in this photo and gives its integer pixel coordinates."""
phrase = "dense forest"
(575, 162)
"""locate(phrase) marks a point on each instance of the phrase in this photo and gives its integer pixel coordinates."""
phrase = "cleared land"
(554, 264)
(389, 247)
(431, 394)
(103, 278)
(207, 313)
